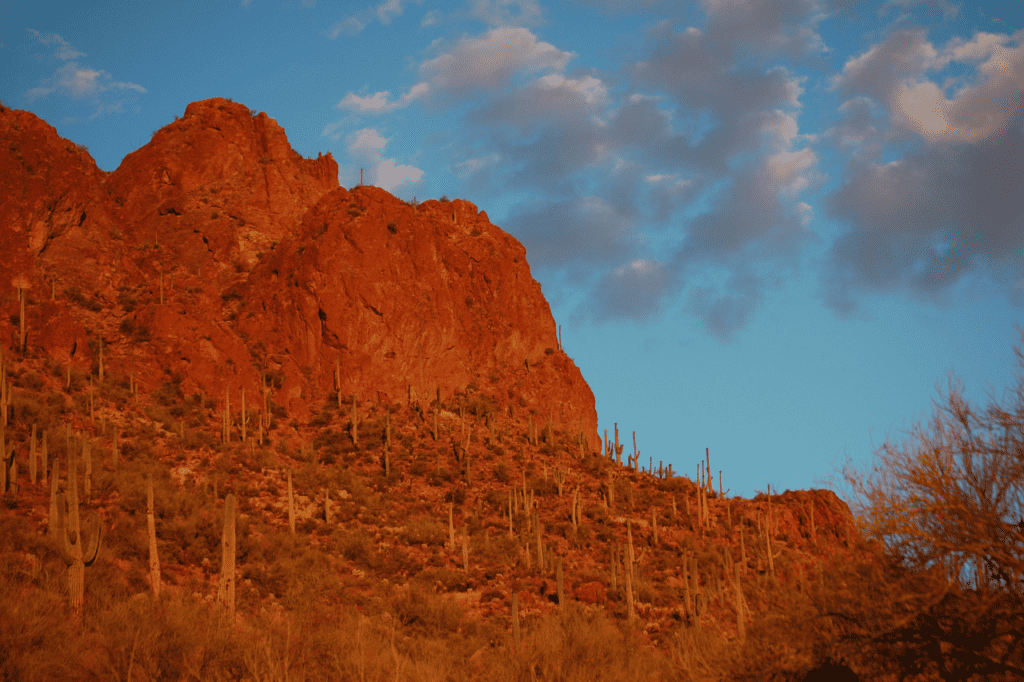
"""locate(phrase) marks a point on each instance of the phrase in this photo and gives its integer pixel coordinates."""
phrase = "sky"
(770, 228)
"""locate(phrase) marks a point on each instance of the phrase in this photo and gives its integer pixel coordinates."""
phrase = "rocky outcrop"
(218, 254)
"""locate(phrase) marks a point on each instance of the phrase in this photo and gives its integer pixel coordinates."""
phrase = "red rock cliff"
(265, 265)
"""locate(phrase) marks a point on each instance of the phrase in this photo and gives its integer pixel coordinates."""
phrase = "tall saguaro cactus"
(32, 457)
(244, 419)
(154, 559)
(226, 589)
(630, 577)
(355, 423)
(291, 505)
(8, 468)
(70, 540)
(52, 523)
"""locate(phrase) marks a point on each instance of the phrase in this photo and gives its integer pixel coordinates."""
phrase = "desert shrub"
(501, 472)
(31, 381)
(29, 410)
(576, 644)
(434, 615)
(159, 414)
(597, 513)
(593, 465)
(497, 500)
(424, 531)
(169, 393)
(126, 300)
(275, 378)
(498, 548)
(543, 486)
(447, 579)
(76, 296)
(321, 419)
(135, 329)
(482, 406)
(456, 496)
(357, 546)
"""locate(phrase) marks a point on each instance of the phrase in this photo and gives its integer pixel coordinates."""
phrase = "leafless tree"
(953, 496)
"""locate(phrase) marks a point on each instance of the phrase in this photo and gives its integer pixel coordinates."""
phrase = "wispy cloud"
(381, 102)
(385, 12)
(62, 49)
(349, 26)
(77, 81)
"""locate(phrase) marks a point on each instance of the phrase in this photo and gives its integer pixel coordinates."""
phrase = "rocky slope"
(412, 369)
(219, 253)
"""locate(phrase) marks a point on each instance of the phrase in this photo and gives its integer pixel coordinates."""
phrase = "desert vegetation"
(173, 536)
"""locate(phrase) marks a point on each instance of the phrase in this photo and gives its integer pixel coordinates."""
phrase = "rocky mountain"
(411, 428)
(218, 252)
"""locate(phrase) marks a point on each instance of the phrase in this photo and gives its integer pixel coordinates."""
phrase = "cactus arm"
(95, 540)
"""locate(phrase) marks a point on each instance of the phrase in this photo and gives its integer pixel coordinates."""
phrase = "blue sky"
(771, 228)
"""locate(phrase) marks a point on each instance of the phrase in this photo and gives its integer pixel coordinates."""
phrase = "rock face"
(218, 254)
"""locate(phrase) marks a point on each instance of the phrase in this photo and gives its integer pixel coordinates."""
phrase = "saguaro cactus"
(740, 618)
(226, 588)
(154, 559)
(355, 423)
(561, 591)
(32, 457)
(51, 530)
(515, 620)
(291, 505)
(244, 419)
(44, 456)
(8, 468)
(451, 527)
(618, 448)
(70, 541)
(630, 567)
(87, 455)
(21, 317)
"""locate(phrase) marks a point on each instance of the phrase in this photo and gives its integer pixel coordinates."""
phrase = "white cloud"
(354, 25)
(350, 26)
(491, 61)
(388, 10)
(592, 89)
(77, 81)
(64, 49)
(380, 102)
(791, 171)
(430, 18)
(366, 149)
(391, 176)
(470, 166)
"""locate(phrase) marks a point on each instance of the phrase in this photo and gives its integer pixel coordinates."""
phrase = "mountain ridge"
(217, 191)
